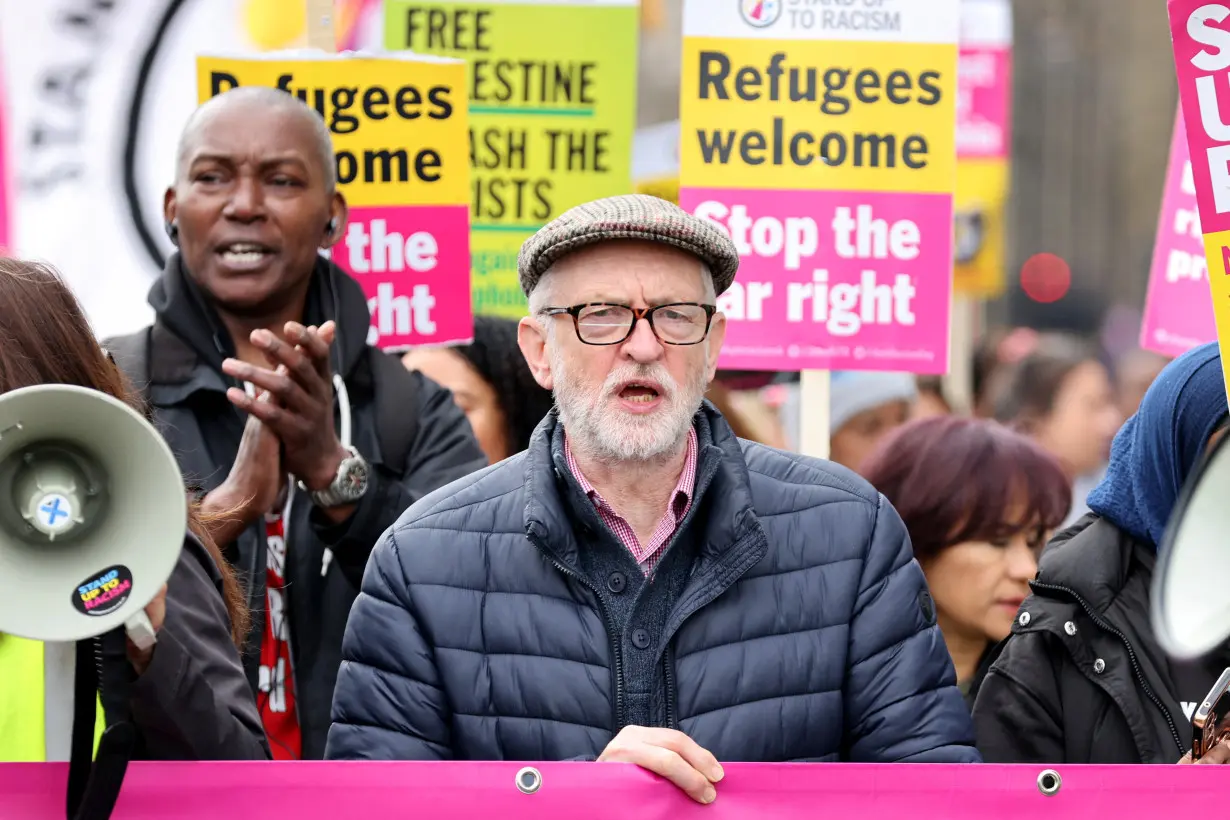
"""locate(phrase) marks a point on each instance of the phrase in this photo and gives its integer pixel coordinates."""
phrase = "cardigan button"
(617, 582)
(640, 639)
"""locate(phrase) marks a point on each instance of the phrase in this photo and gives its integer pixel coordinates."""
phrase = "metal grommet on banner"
(1049, 782)
(529, 780)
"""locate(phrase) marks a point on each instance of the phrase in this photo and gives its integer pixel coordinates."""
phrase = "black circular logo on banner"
(103, 592)
(136, 110)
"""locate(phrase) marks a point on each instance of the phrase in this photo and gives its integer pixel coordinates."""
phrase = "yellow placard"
(1217, 255)
(665, 188)
(979, 206)
(819, 115)
(399, 126)
(552, 90)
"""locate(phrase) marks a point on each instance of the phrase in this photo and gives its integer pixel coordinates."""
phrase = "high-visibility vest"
(23, 702)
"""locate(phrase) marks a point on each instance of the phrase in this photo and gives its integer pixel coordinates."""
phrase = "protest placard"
(1200, 33)
(984, 112)
(655, 161)
(552, 93)
(823, 141)
(399, 126)
(1178, 307)
(615, 791)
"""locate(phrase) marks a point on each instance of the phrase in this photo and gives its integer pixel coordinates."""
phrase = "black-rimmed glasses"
(601, 323)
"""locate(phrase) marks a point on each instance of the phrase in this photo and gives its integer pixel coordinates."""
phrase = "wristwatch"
(348, 485)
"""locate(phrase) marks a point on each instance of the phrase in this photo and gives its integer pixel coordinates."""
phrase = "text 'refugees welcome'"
(855, 130)
(345, 108)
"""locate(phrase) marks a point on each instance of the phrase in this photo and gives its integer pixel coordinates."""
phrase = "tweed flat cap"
(631, 216)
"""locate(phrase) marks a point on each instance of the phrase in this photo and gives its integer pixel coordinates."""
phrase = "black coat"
(1082, 679)
(786, 621)
(325, 561)
(193, 701)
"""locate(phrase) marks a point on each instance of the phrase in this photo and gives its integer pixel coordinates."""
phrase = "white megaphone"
(1191, 608)
(92, 515)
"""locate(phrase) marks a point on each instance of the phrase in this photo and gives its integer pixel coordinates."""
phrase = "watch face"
(353, 480)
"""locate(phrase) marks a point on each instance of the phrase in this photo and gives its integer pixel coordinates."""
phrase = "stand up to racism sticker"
(399, 129)
(824, 143)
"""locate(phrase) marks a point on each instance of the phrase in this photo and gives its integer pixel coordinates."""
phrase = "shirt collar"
(683, 490)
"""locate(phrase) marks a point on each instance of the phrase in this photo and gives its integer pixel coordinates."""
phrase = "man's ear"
(717, 335)
(532, 339)
(170, 205)
(339, 212)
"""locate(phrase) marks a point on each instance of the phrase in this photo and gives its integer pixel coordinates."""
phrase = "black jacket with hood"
(1082, 679)
(186, 388)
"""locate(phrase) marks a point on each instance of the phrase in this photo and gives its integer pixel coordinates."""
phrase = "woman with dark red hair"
(979, 502)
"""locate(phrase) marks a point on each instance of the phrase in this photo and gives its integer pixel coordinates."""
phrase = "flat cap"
(630, 216)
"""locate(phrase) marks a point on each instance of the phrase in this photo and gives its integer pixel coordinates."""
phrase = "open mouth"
(244, 254)
(644, 392)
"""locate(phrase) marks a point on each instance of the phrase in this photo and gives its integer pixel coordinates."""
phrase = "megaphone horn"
(92, 514)
(1190, 610)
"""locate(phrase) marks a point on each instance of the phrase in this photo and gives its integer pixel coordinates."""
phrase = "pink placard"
(414, 265)
(1178, 308)
(618, 791)
(1200, 31)
(984, 79)
(834, 280)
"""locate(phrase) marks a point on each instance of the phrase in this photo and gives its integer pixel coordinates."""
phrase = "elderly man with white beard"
(640, 585)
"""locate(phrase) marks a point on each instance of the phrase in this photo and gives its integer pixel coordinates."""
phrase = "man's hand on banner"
(668, 753)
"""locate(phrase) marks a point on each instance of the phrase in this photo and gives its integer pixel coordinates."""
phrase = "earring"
(172, 229)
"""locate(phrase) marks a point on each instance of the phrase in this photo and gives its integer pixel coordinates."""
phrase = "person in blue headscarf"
(1081, 679)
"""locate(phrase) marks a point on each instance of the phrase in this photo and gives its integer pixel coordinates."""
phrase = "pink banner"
(567, 791)
(1178, 308)
(1200, 32)
(414, 265)
(834, 280)
(984, 80)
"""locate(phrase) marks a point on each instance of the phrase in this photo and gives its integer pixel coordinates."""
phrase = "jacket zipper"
(668, 661)
(1140, 675)
(286, 607)
(616, 650)
(98, 666)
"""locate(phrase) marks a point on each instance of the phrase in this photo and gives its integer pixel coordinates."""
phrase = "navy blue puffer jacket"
(803, 632)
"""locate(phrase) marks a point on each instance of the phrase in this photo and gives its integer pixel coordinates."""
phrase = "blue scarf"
(1158, 447)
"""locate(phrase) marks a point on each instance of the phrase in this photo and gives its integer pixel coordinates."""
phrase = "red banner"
(567, 791)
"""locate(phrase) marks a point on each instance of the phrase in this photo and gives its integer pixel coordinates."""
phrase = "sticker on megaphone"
(104, 593)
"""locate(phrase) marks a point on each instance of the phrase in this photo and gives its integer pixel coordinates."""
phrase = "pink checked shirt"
(646, 555)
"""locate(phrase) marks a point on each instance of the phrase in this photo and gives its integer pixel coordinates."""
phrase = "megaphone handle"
(141, 631)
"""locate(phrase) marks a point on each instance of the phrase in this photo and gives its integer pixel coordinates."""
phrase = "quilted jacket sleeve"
(901, 700)
(388, 704)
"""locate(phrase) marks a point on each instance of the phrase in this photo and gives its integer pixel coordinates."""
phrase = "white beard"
(597, 427)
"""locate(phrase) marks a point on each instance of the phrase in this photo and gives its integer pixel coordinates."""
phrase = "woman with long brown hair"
(190, 699)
